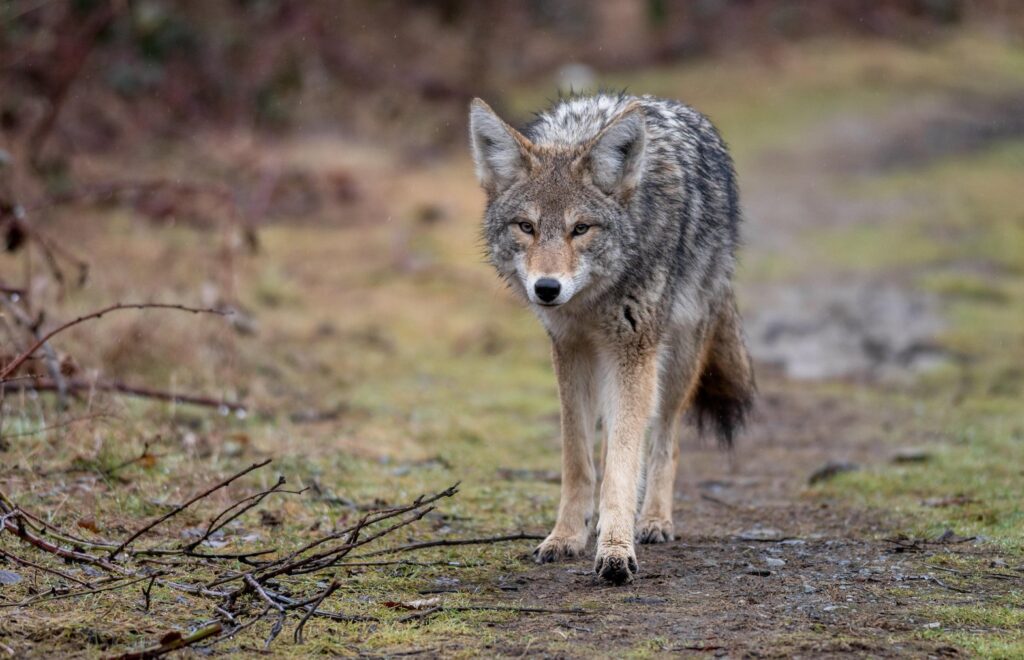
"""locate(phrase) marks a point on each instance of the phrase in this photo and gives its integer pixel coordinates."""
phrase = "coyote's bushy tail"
(725, 392)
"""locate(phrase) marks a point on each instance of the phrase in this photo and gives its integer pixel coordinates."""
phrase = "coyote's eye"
(526, 227)
(580, 229)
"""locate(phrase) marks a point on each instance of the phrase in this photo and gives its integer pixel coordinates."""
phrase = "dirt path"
(759, 568)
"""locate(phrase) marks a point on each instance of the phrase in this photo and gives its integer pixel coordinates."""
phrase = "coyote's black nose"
(547, 289)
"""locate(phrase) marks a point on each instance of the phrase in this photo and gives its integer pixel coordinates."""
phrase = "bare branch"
(78, 385)
(263, 594)
(25, 562)
(22, 318)
(17, 362)
(172, 642)
(46, 597)
(182, 507)
(521, 536)
(319, 601)
(219, 521)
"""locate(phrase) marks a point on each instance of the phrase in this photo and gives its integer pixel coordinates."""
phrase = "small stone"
(641, 600)
(912, 455)
(952, 538)
(9, 577)
(932, 626)
(830, 470)
(775, 562)
(759, 533)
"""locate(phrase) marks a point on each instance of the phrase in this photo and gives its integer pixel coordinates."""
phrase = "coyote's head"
(557, 224)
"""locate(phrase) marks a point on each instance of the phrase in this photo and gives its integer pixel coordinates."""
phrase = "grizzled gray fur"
(616, 218)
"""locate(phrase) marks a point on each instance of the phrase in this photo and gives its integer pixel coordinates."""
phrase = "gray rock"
(836, 330)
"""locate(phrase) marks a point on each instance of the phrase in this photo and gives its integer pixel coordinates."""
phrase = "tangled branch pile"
(242, 588)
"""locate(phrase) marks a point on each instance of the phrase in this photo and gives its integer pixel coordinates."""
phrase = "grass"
(443, 377)
(990, 631)
(972, 245)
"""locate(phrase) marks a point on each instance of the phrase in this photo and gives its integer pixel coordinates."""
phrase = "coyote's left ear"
(615, 157)
(500, 152)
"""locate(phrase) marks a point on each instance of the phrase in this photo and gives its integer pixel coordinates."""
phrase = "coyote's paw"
(617, 564)
(654, 530)
(557, 548)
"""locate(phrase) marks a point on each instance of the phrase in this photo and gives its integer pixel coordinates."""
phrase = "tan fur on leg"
(630, 402)
(575, 366)
(678, 379)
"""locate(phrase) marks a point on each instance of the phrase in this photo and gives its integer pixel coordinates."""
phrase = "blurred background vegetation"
(303, 164)
(393, 68)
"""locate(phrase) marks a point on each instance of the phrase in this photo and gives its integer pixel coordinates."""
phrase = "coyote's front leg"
(630, 403)
(575, 366)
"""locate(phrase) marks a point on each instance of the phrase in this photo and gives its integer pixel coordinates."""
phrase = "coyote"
(616, 218)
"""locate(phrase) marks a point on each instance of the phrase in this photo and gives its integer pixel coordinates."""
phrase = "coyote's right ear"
(501, 153)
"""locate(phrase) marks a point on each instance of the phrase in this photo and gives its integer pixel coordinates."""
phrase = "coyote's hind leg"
(678, 375)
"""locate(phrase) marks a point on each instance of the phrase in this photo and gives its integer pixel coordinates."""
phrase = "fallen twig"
(487, 608)
(219, 521)
(295, 563)
(715, 500)
(21, 532)
(402, 562)
(514, 608)
(521, 536)
(263, 594)
(315, 606)
(184, 506)
(238, 628)
(983, 574)
(262, 583)
(25, 562)
(31, 326)
(131, 461)
(147, 590)
(172, 642)
(79, 385)
(46, 597)
(53, 427)
(422, 614)
(271, 603)
(17, 362)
